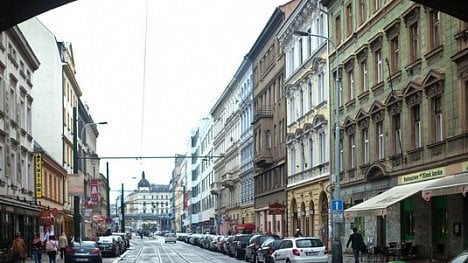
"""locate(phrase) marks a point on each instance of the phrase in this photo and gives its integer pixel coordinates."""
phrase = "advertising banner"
(94, 190)
(38, 173)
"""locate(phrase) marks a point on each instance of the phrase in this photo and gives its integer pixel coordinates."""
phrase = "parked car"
(301, 249)
(108, 246)
(238, 244)
(124, 238)
(460, 258)
(220, 244)
(227, 245)
(84, 251)
(170, 237)
(266, 249)
(120, 242)
(254, 243)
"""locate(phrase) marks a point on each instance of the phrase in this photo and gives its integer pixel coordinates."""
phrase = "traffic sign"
(337, 205)
(338, 217)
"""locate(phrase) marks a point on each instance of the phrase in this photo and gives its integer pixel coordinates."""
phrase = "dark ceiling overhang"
(455, 8)
(13, 12)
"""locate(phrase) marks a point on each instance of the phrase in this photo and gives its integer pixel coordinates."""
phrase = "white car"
(301, 250)
(170, 237)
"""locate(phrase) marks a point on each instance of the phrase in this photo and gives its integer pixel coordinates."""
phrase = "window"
(302, 158)
(268, 139)
(395, 54)
(301, 51)
(378, 67)
(437, 118)
(396, 134)
(311, 153)
(352, 151)
(365, 145)
(337, 30)
(301, 103)
(322, 149)
(380, 141)
(377, 5)
(349, 19)
(364, 76)
(293, 160)
(309, 43)
(320, 88)
(351, 85)
(434, 29)
(309, 97)
(414, 41)
(2, 160)
(362, 11)
(416, 117)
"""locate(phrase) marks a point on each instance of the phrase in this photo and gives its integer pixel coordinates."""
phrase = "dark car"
(227, 245)
(108, 246)
(266, 249)
(84, 251)
(255, 242)
(238, 244)
(124, 238)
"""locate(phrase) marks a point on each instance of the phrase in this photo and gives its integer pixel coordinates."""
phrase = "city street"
(154, 250)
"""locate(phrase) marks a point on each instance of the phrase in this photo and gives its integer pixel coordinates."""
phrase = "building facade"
(18, 207)
(269, 125)
(246, 143)
(307, 111)
(402, 69)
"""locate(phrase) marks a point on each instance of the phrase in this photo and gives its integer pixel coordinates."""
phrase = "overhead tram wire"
(204, 157)
(142, 125)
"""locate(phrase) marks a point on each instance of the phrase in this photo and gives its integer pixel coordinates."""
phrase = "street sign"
(338, 217)
(337, 205)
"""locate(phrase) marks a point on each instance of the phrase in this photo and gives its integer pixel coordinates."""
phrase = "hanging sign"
(94, 190)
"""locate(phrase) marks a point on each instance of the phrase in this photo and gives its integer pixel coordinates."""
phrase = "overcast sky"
(193, 48)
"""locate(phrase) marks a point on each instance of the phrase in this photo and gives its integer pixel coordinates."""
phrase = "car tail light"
(325, 251)
(256, 246)
(95, 251)
(68, 251)
(296, 252)
(270, 251)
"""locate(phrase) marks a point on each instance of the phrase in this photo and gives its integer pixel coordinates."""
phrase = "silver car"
(170, 237)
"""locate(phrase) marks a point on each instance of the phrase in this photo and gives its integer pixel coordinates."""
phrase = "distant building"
(148, 207)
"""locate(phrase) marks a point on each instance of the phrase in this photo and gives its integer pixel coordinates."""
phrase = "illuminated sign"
(422, 176)
(38, 173)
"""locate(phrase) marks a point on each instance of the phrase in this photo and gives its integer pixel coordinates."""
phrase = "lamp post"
(337, 254)
(76, 198)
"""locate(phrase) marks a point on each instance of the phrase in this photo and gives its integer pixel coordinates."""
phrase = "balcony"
(229, 179)
(215, 188)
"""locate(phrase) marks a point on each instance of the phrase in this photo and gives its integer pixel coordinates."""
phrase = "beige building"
(308, 128)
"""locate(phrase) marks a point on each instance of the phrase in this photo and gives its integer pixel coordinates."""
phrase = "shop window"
(439, 218)
(407, 219)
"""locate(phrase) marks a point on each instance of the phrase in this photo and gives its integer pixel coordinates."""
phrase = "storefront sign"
(38, 173)
(422, 176)
(94, 190)
(275, 208)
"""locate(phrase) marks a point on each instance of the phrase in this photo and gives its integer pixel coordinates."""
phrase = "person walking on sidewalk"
(357, 241)
(51, 249)
(63, 243)
(18, 248)
(36, 248)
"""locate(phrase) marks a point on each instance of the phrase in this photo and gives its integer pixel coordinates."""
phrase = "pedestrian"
(36, 248)
(18, 248)
(357, 242)
(51, 249)
(298, 233)
(63, 243)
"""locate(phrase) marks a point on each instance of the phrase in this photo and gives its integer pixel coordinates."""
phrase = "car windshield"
(105, 239)
(170, 235)
(303, 243)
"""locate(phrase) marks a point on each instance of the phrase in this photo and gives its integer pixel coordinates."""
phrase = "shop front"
(426, 210)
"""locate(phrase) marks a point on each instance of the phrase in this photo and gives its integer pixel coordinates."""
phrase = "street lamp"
(76, 198)
(337, 256)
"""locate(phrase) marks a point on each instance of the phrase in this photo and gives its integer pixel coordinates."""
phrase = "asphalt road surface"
(154, 250)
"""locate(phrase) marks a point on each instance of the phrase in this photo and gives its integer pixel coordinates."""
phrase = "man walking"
(357, 241)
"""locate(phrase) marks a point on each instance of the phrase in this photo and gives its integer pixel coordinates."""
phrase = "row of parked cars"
(93, 251)
(265, 248)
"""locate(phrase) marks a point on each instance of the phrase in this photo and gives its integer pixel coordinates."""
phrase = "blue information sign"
(337, 205)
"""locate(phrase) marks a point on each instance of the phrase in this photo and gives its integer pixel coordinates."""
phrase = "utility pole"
(76, 198)
(108, 190)
(122, 210)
